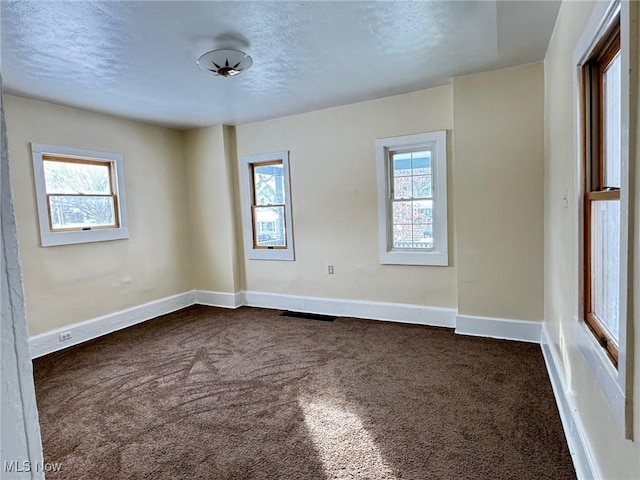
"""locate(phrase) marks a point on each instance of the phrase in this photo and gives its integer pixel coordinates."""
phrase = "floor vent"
(309, 316)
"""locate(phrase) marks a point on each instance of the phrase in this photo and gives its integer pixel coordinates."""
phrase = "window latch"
(610, 189)
(603, 341)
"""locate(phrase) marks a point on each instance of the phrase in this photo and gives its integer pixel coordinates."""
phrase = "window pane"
(268, 184)
(401, 164)
(269, 227)
(605, 264)
(402, 188)
(81, 212)
(413, 236)
(422, 236)
(67, 177)
(403, 236)
(422, 186)
(423, 211)
(421, 163)
(413, 224)
(612, 122)
(402, 213)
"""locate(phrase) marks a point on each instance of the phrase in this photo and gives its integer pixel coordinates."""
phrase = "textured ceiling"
(138, 59)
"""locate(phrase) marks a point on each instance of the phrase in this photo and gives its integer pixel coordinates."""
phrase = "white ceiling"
(138, 59)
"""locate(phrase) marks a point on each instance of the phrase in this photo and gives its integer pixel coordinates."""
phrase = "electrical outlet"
(63, 337)
(330, 269)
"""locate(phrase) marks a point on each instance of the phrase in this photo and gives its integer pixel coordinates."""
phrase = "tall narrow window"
(601, 79)
(267, 206)
(412, 199)
(80, 195)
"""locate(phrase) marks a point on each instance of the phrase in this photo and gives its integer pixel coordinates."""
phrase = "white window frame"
(615, 384)
(253, 253)
(436, 142)
(50, 238)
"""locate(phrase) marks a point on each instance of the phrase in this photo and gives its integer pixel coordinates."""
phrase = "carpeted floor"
(208, 393)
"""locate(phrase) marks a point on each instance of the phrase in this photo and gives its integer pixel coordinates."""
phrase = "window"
(80, 195)
(601, 130)
(267, 207)
(602, 79)
(412, 199)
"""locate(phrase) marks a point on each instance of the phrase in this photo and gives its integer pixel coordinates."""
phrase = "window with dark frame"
(80, 193)
(268, 202)
(601, 137)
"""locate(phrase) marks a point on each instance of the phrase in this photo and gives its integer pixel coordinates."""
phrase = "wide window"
(602, 166)
(267, 207)
(412, 199)
(80, 195)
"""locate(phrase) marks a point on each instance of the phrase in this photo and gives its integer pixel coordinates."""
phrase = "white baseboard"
(395, 312)
(219, 299)
(49, 342)
(502, 328)
(525, 331)
(583, 460)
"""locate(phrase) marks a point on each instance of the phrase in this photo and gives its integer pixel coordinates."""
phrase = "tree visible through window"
(80, 193)
(268, 205)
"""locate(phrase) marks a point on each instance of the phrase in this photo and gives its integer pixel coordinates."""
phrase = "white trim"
(606, 376)
(577, 440)
(245, 193)
(386, 311)
(49, 342)
(219, 299)
(395, 312)
(49, 238)
(436, 143)
(502, 328)
(601, 19)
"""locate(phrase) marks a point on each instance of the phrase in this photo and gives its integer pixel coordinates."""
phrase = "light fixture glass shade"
(225, 63)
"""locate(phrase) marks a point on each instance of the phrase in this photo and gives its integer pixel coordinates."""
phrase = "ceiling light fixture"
(225, 63)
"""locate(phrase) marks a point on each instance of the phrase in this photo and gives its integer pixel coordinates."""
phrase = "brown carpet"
(207, 393)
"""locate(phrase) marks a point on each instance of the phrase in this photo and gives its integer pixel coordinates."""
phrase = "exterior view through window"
(411, 199)
(80, 193)
(268, 205)
(601, 77)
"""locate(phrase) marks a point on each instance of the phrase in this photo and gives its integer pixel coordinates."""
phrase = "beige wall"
(334, 200)
(209, 158)
(498, 148)
(72, 283)
(616, 457)
(199, 244)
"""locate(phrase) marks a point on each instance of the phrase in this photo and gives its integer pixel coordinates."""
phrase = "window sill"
(266, 254)
(435, 259)
(86, 236)
(606, 376)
